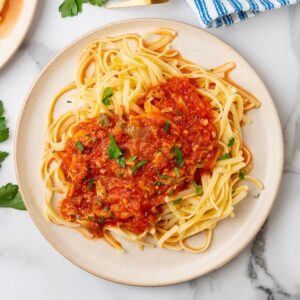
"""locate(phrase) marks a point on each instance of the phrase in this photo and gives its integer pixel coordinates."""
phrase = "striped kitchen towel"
(222, 13)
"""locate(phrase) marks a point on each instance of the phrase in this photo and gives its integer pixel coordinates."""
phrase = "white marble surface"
(269, 268)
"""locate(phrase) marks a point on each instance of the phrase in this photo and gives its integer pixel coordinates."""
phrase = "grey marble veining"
(292, 129)
(39, 52)
(258, 270)
(268, 269)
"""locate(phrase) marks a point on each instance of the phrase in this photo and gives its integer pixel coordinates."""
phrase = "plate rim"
(27, 26)
(168, 282)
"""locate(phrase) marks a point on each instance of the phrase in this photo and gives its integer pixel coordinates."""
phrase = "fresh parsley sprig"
(4, 130)
(139, 165)
(10, 197)
(9, 193)
(71, 8)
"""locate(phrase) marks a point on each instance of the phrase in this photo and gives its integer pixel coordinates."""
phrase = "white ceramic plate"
(156, 266)
(11, 42)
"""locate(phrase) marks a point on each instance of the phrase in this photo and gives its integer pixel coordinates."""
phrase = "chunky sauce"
(167, 143)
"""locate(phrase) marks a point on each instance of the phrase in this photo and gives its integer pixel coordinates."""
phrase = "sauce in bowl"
(9, 16)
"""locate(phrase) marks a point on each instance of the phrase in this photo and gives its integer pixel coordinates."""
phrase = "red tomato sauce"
(163, 150)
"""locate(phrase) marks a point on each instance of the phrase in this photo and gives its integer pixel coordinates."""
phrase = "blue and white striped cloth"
(222, 13)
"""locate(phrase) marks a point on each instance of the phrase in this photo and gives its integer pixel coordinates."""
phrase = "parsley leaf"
(161, 175)
(107, 94)
(177, 172)
(199, 189)
(79, 146)
(121, 161)
(96, 2)
(3, 155)
(104, 120)
(171, 192)
(91, 184)
(133, 158)
(167, 126)
(242, 175)
(157, 182)
(178, 156)
(140, 164)
(1, 109)
(231, 142)
(114, 151)
(101, 220)
(70, 8)
(4, 131)
(177, 201)
(10, 197)
(224, 157)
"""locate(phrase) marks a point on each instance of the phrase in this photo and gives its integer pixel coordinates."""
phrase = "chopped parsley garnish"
(120, 174)
(171, 192)
(157, 182)
(242, 175)
(231, 142)
(140, 164)
(177, 201)
(101, 220)
(177, 172)
(79, 146)
(107, 94)
(133, 158)
(199, 189)
(224, 157)
(121, 162)
(90, 184)
(167, 126)
(104, 120)
(106, 208)
(122, 124)
(178, 156)
(114, 151)
(102, 123)
(161, 175)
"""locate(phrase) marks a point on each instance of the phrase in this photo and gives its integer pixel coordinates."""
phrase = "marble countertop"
(269, 268)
